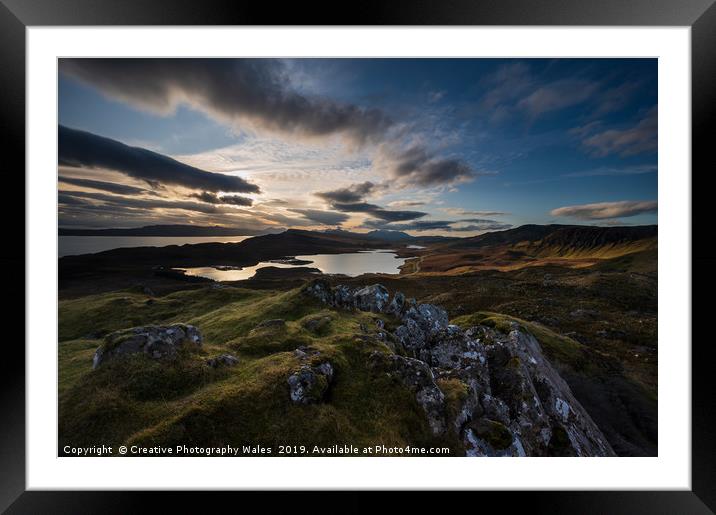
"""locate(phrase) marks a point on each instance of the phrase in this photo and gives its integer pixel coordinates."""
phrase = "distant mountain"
(385, 235)
(560, 238)
(537, 245)
(603, 242)
(389, 236)
(340, 233)
(163, 230)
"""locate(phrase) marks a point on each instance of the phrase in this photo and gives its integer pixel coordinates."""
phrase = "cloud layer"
(322, 217)
(84, 149)
(112, 187)
(630, 141)
(606, 210)
(439, 225)
(350, 194)
(254, 92)
(351, 199)
(418, 166)
(213, 198)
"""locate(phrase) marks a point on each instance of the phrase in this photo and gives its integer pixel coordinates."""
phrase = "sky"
(427, 146)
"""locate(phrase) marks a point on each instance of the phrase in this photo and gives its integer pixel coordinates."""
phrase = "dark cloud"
(112, 187)
(247, 91)
(351, 200)
(605, 210)
(352, 194)
(638, 139)
(437, 225)
(322, 217)
(109, 215)
(235, 200)
(257, 93)
(147, 203)
(378, 212)
(79, 148)
(213, 198)
(70, 200)
(417, 166)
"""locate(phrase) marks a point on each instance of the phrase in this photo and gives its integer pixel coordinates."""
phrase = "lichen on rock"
(514, 402)
(157, 342)
(309, 384)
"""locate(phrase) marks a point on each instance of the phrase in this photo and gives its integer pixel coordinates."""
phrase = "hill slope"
(572, 236)
(539, 245)
(358, 383)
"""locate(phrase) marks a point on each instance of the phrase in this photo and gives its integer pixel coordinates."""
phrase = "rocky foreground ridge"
(490, 388)
(508, 400)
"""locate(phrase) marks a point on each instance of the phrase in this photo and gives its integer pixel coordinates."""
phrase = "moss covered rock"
(310, 383)
(157, 342)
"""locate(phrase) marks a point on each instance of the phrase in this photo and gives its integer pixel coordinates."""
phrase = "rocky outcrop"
(371, 298)
(419, 378)
(513, 401)
(310, 383)
(157, 342)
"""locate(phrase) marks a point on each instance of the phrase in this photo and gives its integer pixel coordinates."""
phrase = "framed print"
(442, 248)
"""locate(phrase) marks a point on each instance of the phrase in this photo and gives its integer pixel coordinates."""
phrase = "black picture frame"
(700, 15)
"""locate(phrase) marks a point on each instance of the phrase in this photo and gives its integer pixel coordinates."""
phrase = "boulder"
(372, 298)
(397, 305)
(317, 324)
(157, 342)
(411, 336)
(320, 289)
(343, 297)
(422, 324)
(431, 319)
(223, 360)
(310, 383)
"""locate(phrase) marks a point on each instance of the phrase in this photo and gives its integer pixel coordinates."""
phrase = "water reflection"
(351, 264)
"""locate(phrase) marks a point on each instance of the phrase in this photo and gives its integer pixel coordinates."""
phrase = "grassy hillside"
(589, 296)
(538, 245)
(137, 400)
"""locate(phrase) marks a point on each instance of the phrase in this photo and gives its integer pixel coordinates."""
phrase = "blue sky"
(430, 146)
